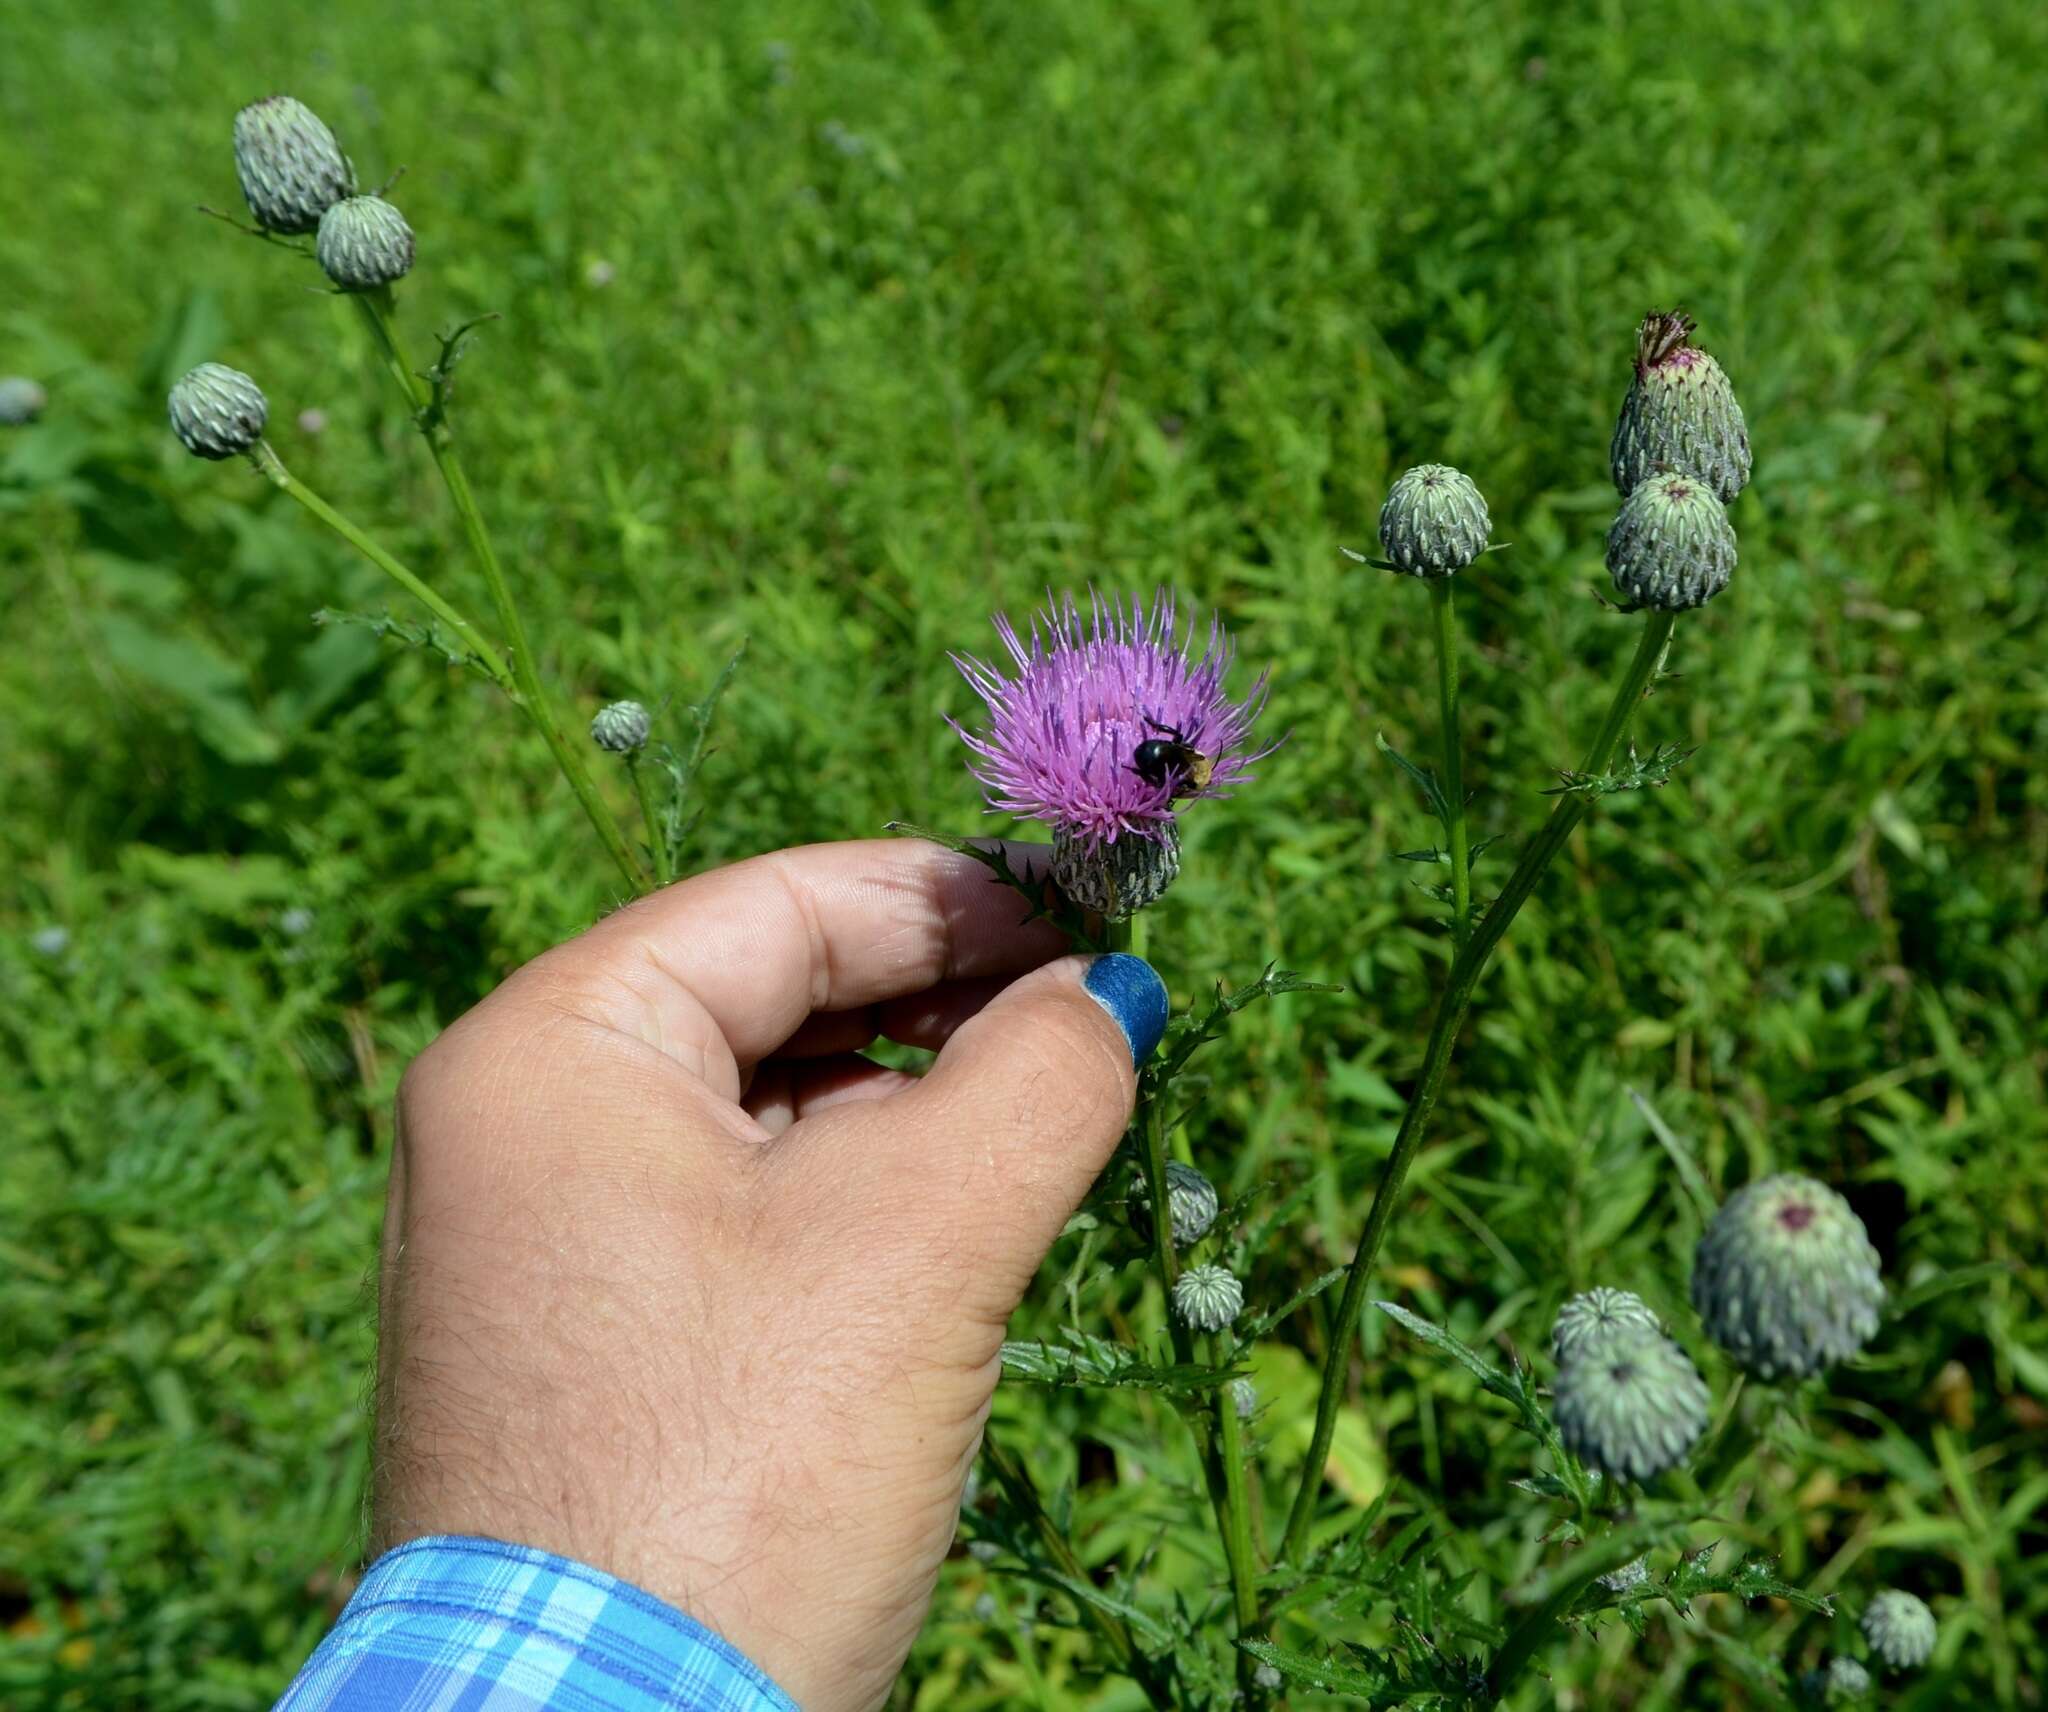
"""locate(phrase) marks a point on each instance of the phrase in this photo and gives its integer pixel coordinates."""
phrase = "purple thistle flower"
(1064, 730)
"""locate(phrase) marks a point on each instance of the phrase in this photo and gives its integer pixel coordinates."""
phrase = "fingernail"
(1131, 991)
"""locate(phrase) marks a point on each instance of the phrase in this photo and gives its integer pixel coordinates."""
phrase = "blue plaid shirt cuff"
(469, 1625)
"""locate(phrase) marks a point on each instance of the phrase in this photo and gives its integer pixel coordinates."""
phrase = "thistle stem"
(531, 694)
(1236, 1519)
(1454, 769)
(1469, 965)
(650, 815)
(267, 460)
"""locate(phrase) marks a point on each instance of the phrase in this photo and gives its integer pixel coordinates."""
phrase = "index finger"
(719, 971)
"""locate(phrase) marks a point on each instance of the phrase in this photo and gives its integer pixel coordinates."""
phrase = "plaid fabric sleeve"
(471, 1625)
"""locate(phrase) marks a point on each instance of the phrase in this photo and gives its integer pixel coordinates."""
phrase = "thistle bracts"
(1899, 1628)
(620, 727)
(1785, 1278)
(364, 243)
(1207, 1298)
(218, 412)
(1630, 1405)
(1434, 522)
(1191, 1200)
(1117, 880)
(1598, 1313)
(1680, 414)
(1671, 547)
(292, 170)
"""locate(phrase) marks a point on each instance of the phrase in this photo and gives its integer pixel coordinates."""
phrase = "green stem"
(1236, 1519)
(1454, 769)
(1559, 1594)
(267, 460)
(650, 814)
(532, 695)
(1469, 965)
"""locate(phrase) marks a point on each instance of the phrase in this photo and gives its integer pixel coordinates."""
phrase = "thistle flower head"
(1842, 1682)
(1099, 724)
(1434, 522)
(1597, 1313)
(1671, 546)
(217, 411)
(1116, 880)
(1190, 1198)
(364, 242)
(1207, 1297)
(1785, 1278)
(620, 727)
(21, 401)
(1899, 1628)
(292, 170)
(1680, 413)
(1631, 1404)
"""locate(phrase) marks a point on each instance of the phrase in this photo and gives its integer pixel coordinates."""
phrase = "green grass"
(916, 312)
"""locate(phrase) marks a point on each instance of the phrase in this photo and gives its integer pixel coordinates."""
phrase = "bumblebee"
(1158, 760)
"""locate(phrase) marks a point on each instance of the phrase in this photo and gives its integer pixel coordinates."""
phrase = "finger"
(782, 1092)
(1019, 1112)
(719, 971)
(925, 1020)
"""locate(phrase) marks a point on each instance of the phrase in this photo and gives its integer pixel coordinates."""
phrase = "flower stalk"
(651, 816)
(528, 690)
(1466, 969)
(1454, 769)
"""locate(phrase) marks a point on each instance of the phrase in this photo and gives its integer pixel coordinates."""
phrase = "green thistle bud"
(218, 412)
(1207, 1298)
(1899, 1628)
(292, 170)
(1599, 1313)
(1785, 1278)
(1190, 1198)
(1117, 880)
(1680, 414)
(1671, 546)
(621, 727)
(21, 401)
(1842, 1683)
(1244, 1398)
(364, 242)
(1631, 1404)
(1434, 522)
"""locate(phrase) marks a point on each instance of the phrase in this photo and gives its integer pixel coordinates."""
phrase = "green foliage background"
(916, 311)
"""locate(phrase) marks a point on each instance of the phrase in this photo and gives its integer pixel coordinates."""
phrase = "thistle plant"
(297, 181)
(1899, 1628)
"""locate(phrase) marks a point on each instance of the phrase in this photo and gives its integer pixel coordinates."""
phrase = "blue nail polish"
(1131, 991)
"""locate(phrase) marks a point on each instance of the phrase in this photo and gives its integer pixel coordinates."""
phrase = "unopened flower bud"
(1207, 1297)
(1680, 414)
(1599, 1312)
(1115, 881)
(1671, 546)
(1191, 1198)
(1631, 1404)
(364, 242)
(1434, 522)
(1842, 1683)
(1244, 1398)
(292, 170)
(1899, 1628)
(1785, 1278)
(621, 727)
(218, 412)
(21, 401)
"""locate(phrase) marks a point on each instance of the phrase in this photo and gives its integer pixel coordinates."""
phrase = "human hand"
(678, 1284)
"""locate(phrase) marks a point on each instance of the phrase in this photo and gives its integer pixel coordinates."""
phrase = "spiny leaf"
(1639, 772)
(1751, 1578)
(1253, 1330)
(1425, 780)
(1045, 901)
(1187, 1034)
(429, 636)
(1096, 1362)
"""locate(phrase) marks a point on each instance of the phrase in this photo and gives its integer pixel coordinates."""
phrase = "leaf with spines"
(1092, 1362)
(429, 636)
(1045, 900)
(1187, 1034)
(1425, 781)
(1751, 1578)
(1640, 772)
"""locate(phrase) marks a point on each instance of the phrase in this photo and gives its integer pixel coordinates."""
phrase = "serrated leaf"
(1141, 1623)
(1189, 1033)
(1253, 1330)
(1095, 1362)
(1312, 1672)
(1425, 780)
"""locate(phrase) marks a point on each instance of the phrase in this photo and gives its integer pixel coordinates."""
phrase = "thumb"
(1022, 1109)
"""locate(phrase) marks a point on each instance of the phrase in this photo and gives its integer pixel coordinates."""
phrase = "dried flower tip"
(218, 412)
(1115, 881)
(621, 727)
(1631, 1404)
(1785, 1278)
(1899, 1628)
(1671, 546)
(1434, 522)
(292, 170)
(1244, 1398)
(1680, 414)
(1207, 1298)
(1599, 1312)
(1191, 1198)
(364, 242)
(21, 401)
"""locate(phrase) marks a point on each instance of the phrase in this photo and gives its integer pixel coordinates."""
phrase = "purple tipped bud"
(1631, 1404)
(1680, 414)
